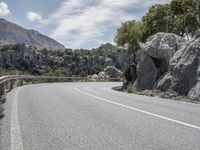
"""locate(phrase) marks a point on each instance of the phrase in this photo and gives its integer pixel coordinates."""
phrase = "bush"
(131, 89)
(127, 74)
(8, 47)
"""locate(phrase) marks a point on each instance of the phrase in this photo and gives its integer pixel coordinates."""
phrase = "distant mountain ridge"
(107, 46)
(11, 33)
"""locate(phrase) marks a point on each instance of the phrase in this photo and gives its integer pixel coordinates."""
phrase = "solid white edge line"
(138, 110)
(15, 132)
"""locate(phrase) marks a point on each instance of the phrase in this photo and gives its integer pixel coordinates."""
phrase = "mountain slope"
(11, 33)
(108, 47)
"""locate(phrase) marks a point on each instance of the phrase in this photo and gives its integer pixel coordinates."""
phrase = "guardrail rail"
(7, 83)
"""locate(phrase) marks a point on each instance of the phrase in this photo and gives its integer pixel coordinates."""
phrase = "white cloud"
(34, 16)
(78, 22)
(4, 10)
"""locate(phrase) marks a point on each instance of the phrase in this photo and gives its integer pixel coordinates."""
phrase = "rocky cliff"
(170, 63)
(155, 58)
(184, 70)
(11, 33)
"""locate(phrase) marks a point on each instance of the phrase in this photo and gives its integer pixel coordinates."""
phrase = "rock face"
(146, 73)
(184, 73)
(162, 46)
(171, 64)
(22, 52)
(11, 33)
(154, 61)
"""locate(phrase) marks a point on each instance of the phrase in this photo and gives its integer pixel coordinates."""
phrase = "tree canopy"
(129, 35)
(181, 17)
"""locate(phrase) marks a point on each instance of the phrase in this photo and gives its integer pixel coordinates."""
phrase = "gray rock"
(113, 72)
(108, 61)
(146, 73)
(94, 76)
(162, 45)
(194, 93)
(103, 75)
(184, 72)
(197, 34)
(154, 61)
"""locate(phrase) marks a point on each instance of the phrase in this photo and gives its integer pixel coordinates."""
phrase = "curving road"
(91, 116)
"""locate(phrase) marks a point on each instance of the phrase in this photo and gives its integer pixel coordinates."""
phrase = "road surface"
(91, 116)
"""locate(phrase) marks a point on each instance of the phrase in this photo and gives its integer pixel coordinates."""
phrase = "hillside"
(28, 59)
(11, 33)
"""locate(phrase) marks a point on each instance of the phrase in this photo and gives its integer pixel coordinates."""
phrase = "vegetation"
(181, 17)
(131, 89)
(4, 48)
(62, 63)
(11, 71)
(127, 74)
(128, 36)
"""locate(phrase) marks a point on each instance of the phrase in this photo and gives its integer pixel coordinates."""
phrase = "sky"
(75, 23)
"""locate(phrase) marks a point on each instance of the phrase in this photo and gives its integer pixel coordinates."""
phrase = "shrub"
(127, 74)
(131, 89)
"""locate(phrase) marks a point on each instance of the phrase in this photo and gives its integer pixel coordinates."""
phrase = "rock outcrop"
(154, 60)
(170, 64)
(110, 72)
(113, 72)
(184, 73)
(103, 75)
(19, 53)
(162, 46)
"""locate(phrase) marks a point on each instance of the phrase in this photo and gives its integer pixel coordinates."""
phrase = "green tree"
(196, 9)
(157, 19)
(128, 37)
(186, 16)
(181, 17)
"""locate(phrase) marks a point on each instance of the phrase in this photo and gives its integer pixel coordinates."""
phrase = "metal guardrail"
(7, 83)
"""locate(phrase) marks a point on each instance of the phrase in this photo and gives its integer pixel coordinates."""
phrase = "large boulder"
(108, 61)
(184, 73)
(113, 72)
(103, 75)
(162, 45)
(146, 73)
(94, 76)
(154, 61)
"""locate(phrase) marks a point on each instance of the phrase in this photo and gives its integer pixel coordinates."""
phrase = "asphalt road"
(91, 116)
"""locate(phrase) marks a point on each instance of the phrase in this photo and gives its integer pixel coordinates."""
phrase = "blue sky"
(75, 23)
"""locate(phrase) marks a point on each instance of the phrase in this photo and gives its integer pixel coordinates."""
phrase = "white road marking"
(16, 139)
(138, 110)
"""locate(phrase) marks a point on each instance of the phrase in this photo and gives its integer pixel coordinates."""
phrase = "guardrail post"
(2, 90)
(6, 85)
(12, 82)
(21, 82)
